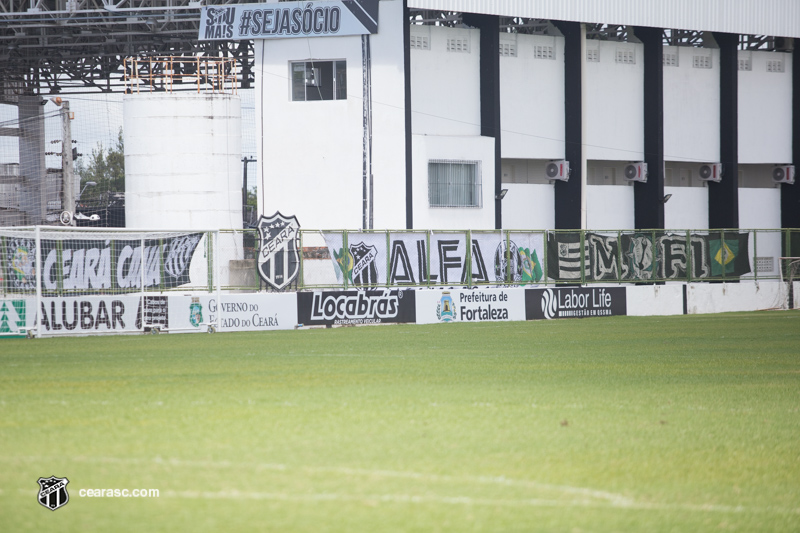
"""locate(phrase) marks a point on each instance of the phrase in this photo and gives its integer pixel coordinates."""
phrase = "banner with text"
(88, 315)
(118, 265)
(436, 258)
(465, 305)
(357, 307)
(643, 256)
(230, 312)
(575, 302)
(288, 19)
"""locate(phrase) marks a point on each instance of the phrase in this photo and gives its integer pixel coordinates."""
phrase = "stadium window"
(454, 183)
(319, 80)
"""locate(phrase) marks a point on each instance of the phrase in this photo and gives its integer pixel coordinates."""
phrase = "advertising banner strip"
(575, 302)
(328, 308)
(288, 19)
(90, 315)
(479, 305)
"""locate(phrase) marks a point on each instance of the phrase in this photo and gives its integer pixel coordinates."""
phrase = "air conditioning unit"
(557, 170)
(636, 172)
(783, 174)
(711, 172)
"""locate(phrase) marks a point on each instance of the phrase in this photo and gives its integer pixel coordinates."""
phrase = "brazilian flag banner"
(729, 254)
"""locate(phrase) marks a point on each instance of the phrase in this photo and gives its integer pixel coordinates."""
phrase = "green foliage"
(656, 424)
(105, 167)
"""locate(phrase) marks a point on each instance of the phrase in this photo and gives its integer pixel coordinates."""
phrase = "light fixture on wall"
(667, 197)
(501, 195)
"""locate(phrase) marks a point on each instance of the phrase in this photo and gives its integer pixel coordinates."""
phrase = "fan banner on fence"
(574, 302)
(81, 265)
(494, 258)
(470, 305)
(357, 307)
(645, 256)
(288, 19)
(19, 264)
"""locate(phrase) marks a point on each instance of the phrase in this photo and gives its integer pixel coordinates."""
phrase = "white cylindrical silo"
(183, 167)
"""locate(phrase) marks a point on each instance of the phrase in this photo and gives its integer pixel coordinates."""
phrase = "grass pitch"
(609, 424)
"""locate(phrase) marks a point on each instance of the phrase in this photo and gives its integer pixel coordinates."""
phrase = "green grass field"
(682, 424)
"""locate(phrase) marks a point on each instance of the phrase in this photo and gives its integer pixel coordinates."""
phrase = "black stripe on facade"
(723, 197)
(648, 198)
(489, 25)
(568, 193)
(790, 194)
(408, 137)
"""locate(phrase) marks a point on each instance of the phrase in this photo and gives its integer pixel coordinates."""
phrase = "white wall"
(529, 206)
(687, 208)
(532, 99)
(609, 207)
(309, 147)
(470, 148)
(702, 298)
(765, 109)
(445, 86)
(761, 209)
(614, 113)
(311, 154)
(649, 300)
(388, 118)
(691, 107)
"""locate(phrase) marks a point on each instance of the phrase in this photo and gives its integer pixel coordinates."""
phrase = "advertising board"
(381, 306)
(463, 305)
(574, 302)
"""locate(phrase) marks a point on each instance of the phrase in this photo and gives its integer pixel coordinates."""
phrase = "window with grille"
(627, 57)
(508, 49)
(701, 61)
(593, 55)
(544, 52)
(454, 183)
(458, 45)
(670, 59)
(420, 42)
(775, 65)
(745, 63)
(319, 80)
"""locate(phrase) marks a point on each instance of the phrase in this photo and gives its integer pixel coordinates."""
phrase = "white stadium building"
(535, 114)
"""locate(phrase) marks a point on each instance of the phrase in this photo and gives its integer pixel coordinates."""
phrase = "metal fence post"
(38, 274)
(218, 278)
(345, 253)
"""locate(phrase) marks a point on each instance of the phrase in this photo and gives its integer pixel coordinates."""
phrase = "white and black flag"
(567, 254)
(278, 254)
